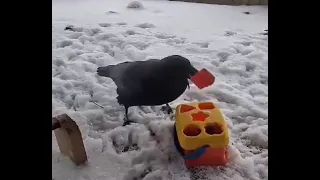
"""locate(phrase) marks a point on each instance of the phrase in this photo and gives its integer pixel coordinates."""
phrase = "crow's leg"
(126, 113)
(127, 121)
(167, 108)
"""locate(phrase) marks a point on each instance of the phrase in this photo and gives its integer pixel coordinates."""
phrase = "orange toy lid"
(203, 79)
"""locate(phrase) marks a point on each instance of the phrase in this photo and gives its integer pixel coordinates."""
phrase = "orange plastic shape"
(212, 157)
(203, 79)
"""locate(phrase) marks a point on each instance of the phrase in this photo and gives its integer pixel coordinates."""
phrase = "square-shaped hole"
(206, 105)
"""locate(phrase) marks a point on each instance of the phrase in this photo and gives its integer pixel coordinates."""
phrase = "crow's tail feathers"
(105, 71)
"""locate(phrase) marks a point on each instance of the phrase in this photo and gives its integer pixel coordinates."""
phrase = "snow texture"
(222, 39)
(135, 5)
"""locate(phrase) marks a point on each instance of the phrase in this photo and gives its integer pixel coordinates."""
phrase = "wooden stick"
(69, 138)
(55, 123)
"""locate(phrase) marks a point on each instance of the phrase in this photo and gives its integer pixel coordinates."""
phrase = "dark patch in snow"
(145, 25)
(105, 24)
(70, 28)
(135, 5)
(58, 62)
(164, 36)
(95, 31)
(130, 32)
(230, 33)
(250, 66)
(121, 149)
(74, 29)
(264, 81)
(265, 33)
(152, 133)
(144, 173)
(197, 174)
(223, 56)
(245, 43)
(167, 109)
(112, 12)
(121, 24)
(64, 43)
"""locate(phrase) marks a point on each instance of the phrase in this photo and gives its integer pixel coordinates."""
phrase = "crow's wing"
(131, 76)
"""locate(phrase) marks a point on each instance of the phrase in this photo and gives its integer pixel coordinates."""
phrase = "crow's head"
(179, 66)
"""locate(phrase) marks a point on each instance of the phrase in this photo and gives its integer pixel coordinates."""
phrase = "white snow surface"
(221, 39)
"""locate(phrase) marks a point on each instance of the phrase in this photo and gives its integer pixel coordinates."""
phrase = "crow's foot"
(167, 108)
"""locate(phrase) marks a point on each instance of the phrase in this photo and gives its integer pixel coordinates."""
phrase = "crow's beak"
(193, 71)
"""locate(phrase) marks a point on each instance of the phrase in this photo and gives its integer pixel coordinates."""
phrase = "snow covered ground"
(220, 38)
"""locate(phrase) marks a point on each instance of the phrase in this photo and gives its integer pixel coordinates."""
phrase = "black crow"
(149, 83)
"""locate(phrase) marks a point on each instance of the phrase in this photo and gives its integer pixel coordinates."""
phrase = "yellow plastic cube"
(199, 124)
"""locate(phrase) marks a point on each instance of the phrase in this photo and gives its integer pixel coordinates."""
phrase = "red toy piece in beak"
(203, 79)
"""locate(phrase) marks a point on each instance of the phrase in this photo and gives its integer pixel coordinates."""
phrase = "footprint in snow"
(121, 24)
(111, 12)
(164, 36)
(130, 32)
(139, 172)
(122, 149)
(145, 25)
(121, 146)
(223, 56)
(64, 43)
(105, 24)
(74, 29)
(202, 44)
(230, 33)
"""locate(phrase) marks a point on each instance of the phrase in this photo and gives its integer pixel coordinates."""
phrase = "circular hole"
(192, 130)
(213, 128)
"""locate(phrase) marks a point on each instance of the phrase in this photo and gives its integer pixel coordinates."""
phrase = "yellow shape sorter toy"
(199, 124)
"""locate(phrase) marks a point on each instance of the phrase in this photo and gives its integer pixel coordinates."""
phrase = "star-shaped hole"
(200, 116)
(186, 108)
